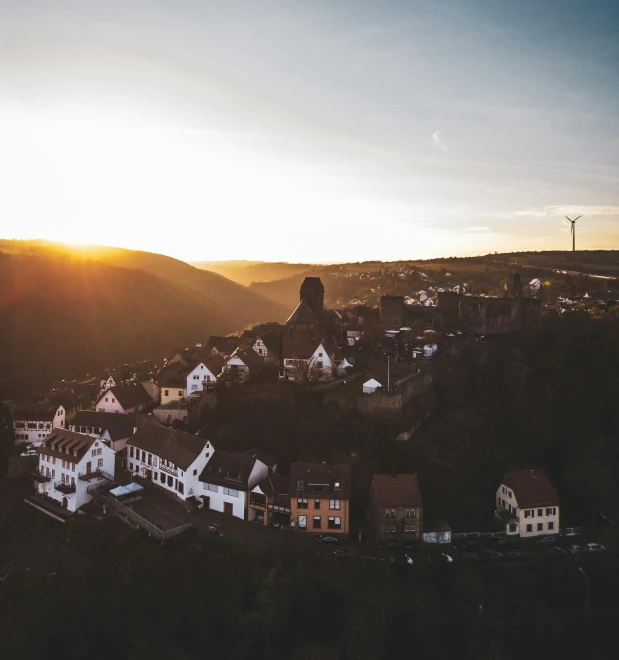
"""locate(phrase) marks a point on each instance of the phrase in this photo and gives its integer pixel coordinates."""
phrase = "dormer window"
(300, 485)
(337, 484)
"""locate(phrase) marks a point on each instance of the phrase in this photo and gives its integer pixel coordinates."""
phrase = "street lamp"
(586, 593)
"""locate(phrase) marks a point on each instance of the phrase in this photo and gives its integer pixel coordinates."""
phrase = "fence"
(130, 514)
(478, 535)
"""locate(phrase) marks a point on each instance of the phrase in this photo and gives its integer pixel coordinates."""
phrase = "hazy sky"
(310, 130)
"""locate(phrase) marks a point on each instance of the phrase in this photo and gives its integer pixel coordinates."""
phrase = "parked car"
(594, 547)
(326, 540)
(576, 549)
(30, 450)
(413, 546)
(512, 554)
(472, 544)
(547, 539)
(557, 551)
(339, 554)
(368, 559)
(488, 554)
(469, 556)
(440, 558)
(216, 529)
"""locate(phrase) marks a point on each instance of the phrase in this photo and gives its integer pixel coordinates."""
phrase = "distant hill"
(62, 314)
(247, 272)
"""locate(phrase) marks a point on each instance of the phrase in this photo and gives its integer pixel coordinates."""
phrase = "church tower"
(313, 293)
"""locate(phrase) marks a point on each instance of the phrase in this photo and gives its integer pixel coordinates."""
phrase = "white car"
(594, 547)
(31, 450)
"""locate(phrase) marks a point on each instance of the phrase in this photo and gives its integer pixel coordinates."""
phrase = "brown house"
(320, 497)
(269, 500)
(396, 506)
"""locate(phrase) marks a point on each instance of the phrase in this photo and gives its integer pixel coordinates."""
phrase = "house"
(65, 398)
(396, 506)
(152, 389)
(268, 347)
(320, 497)
(113, 429)
(527, 504)
(269, 500)
(225, 346)
(370, 386)
(68, 464)
(200, 377)
(171, 459)
(34, 421)
(228, 477)
(173, 384)
(124, 399)
(241, 364)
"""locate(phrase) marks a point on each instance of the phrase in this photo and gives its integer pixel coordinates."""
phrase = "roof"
(312, 285)
(396, 490)
(64, 398)
(67, 445)
(271, 340)
(118, 426)
(130, 395)
(24, 411)
(302, 314)
(178, 447)
(174, 377)
(320, 475)
(372, 383)
(230, 469)
(275, 484)
(300, 349)
(249, 357)
(531, 488)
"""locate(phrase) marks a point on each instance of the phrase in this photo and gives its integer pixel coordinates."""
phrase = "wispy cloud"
(478, 228)
(568, 210)
(437, 138)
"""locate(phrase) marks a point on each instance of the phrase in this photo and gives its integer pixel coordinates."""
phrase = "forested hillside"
(62, 315)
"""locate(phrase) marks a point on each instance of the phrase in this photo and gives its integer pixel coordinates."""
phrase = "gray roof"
(178, 447)
(131, 395)
(23, 411)
(302, 314)
(118, 426)
(232, 469)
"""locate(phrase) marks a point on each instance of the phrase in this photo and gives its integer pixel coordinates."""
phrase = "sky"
(310, 130)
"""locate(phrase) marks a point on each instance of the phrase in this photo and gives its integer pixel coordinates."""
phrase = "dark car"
(512, 554)
(468, 556)
(473, 544)
(487, 554)
(547, 539)
(368, 559)
(216, 529)
(326, 540)
(557, 551)
(440, 558)
(576, 549)
(340, 554)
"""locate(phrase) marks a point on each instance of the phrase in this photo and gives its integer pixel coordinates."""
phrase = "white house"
(199, 378)
(320, 364)
(527, 504)
(228, 477)
(169, 458)
(268, 347)
(370, 386)
(34, 421)
(241, 364)
(69, 463)
(173, 384)
(124, 399)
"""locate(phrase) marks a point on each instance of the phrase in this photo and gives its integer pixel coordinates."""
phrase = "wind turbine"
(573, 231)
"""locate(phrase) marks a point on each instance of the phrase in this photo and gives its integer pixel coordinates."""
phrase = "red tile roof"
(391, 490)
(531, 488)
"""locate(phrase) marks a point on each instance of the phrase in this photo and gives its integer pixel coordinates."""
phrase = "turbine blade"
(580, 216)
(568, 218)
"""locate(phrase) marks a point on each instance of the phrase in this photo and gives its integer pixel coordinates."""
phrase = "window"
(180, 487)
(196, 377)
(300, 485)
(166, 392)
(100, 462)
(180, 393)
(409, 528)
(170, 480)
(316, 522)
(302, 522)
(336, 484)
(316, 504)
(389, 513)
(318, 489)
(231, 492)
(301, 503)
(131, 452)
(528, 514)
(512, 528)
(106, 400)
(113, 400)
(509, 493)
(195, 473)
(529, 528)
(334, 523)
(334, 504)
(130, 466)
(214, 488)
(409, 513)
(540, 512)
(551, 512)
(551, 526)
(540, 527)
(72, 467)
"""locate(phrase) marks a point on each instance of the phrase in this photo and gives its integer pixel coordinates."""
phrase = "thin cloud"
(438, 140)
(569, 210)
(477, 228)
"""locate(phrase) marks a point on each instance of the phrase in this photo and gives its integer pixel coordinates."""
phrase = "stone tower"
(313, 292)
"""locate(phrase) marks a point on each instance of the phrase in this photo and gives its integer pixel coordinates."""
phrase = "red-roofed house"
(397, 507)
(527, 504)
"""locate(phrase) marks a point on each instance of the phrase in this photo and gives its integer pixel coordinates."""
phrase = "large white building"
(32, 422)
(169, 458)
(68, 464)
(228, 477)
(115, 430)
(527, 504)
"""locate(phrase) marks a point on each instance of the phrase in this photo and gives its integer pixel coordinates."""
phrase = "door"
(207, 501)
(65, 503)
(228, 508)
(88, 467)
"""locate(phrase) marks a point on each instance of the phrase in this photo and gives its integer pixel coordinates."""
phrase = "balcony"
(67, 489)
(96, 474)
(40, 478)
